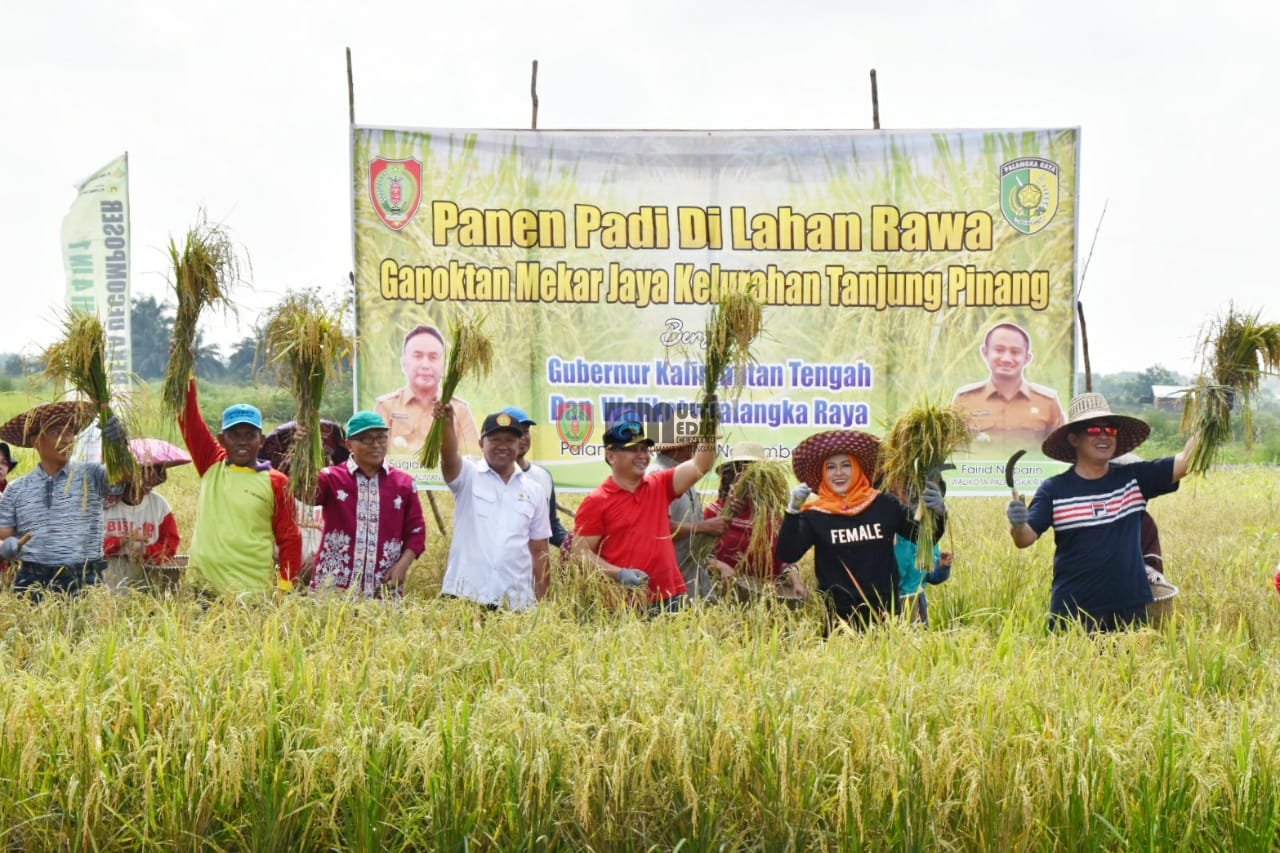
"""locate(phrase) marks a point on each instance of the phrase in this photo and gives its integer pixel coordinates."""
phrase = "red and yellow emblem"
(395, 188)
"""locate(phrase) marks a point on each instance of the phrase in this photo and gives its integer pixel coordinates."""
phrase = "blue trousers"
(35, 579)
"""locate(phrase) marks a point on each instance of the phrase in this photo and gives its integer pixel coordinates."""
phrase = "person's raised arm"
(1019, 514)
(1183, 458)
(688, 473)
(450, 459)
(203, 446)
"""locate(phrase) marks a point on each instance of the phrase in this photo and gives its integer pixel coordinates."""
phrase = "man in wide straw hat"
(52, 517)
(850, 525)
(1095, 509)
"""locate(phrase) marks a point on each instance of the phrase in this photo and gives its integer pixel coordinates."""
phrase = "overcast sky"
(240, 107)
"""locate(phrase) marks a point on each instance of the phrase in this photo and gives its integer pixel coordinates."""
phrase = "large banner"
(95, 250)
(895, 268)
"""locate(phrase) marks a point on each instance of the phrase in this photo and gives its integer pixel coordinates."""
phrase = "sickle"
(1008, 471)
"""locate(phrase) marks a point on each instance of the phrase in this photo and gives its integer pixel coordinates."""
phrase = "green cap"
(363, 421)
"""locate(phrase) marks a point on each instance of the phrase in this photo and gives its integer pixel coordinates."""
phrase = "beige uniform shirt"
(1027, 417)
(410, 420)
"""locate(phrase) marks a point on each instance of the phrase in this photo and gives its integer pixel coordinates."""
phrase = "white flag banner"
(95, 250)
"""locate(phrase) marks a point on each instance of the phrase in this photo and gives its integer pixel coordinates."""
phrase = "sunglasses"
(1101, 429)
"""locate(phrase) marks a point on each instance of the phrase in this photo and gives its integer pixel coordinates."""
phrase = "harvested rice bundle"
(79, 360)
(733, 324)
(1237, 350)
(305, 344)
(920, 441)
(766, 488)
(204, 271)
(471, 355)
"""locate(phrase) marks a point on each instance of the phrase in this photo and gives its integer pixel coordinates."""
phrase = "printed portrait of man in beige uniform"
(1005, 408)
(408, 410)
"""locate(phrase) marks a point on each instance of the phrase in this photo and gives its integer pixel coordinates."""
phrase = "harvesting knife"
(1008, 473)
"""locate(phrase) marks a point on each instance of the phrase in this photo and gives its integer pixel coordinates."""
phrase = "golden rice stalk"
(733, 324)
(1237, 350)
(205, 270)
(471, 355)
(764, 488)
(304, 342)
(79, 360)
(923, 438)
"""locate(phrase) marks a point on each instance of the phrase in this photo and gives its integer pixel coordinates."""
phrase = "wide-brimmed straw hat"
(744, 451)
(158, 452)
(23, 429)
(807, 458)
(1087, 408)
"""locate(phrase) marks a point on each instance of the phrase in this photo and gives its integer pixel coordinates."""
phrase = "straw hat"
(1086, 408)
(158, 452)
(23, 429)
(807, 458)
(744, 451)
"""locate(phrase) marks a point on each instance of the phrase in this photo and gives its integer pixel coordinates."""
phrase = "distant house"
(1170, 398)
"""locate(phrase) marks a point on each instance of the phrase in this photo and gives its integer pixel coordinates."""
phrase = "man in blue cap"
(539, 473)
(244, 514)
(373, 525)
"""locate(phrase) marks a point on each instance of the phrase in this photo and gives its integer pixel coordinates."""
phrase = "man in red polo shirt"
(623, 526)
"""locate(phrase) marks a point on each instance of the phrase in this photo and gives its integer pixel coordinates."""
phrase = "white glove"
(632, 578)
(10, 548)
(799, 495)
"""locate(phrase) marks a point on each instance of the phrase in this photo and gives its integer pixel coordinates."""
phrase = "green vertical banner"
(96, 253)
(895, 268)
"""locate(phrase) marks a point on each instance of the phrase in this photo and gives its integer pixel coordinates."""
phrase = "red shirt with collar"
(635, 530)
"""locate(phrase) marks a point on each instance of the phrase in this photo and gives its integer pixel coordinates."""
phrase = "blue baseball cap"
(520, 415)
(241, 413)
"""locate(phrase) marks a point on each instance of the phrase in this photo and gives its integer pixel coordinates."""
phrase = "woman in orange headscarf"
(850, 524)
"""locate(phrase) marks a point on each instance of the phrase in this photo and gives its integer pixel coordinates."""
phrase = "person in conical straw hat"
(52, 517)
(140, 527)
(687, 521)
(850, 524)
(1095, 509)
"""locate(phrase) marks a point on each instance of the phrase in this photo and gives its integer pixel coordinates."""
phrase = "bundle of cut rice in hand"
(470, 355)
(732, 326)
(925, 437)
(1237, 350)
(204, 271)
(305, 344)
(79, 360)
(765, 487)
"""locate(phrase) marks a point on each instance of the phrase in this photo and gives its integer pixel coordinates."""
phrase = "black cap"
(625, 435)
(501, 422)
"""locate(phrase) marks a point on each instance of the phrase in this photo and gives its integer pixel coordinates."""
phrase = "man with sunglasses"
(623, 526)
(373, 523)
(1095, 509)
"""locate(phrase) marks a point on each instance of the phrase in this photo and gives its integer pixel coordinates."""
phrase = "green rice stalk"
(924, 437)
(79, 361)
(305, 343)
(1237, 350)
(471, 355)
(204, 271)
(733, 324)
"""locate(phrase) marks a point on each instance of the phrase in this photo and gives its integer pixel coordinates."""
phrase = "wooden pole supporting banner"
(533, 94)
(875, 101)
(351, 92)
(1084, 331)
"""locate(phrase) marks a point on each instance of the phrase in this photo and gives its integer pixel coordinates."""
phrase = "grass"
(133, 722)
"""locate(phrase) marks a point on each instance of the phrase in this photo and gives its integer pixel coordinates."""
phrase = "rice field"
(130, 721)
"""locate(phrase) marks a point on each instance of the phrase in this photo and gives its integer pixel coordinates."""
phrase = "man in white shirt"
(498, 555)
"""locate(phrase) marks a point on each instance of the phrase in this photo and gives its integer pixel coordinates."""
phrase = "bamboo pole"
(351, 92)
(1084, 331)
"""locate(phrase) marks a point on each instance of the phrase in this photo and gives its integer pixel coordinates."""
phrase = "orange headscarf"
(852, 502)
